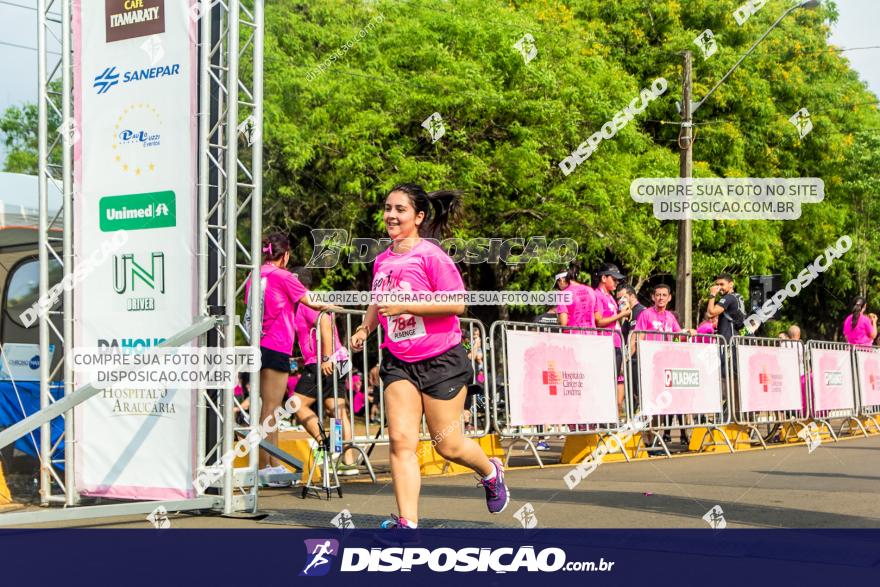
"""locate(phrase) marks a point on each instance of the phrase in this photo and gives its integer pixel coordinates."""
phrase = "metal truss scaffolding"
(230, 227)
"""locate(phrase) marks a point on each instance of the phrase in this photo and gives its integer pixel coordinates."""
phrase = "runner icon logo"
(320, 555)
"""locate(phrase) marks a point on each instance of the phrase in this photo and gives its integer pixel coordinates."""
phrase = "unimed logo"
(138, 211)
(681, 378)
(320, 554)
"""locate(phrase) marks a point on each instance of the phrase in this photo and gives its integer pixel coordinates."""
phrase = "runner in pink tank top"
(282, 292)
(425, 367)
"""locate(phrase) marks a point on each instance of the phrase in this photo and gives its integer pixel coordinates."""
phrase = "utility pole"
(684, 273)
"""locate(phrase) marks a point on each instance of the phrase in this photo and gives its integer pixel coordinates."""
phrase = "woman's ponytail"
(439, 208)
(858, 306)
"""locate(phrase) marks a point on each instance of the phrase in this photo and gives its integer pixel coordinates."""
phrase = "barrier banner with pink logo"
(868, 362)
(560, 378)
(690, 372)
(833, 382)
(769, 378)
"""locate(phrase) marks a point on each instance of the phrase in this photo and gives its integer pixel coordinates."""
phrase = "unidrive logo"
(681, 378)
(110, 77)
(320, 554)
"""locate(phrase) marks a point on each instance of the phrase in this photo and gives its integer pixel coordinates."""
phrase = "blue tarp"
(11, 413)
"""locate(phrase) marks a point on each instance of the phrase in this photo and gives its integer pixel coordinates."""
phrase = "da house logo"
(320, 554)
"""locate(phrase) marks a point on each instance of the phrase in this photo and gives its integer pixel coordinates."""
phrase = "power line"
(17, 46)
(17, 5)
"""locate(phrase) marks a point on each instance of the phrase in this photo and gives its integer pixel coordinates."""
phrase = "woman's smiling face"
(401, 219)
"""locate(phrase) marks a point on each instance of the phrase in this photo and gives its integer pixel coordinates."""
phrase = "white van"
(19, 268)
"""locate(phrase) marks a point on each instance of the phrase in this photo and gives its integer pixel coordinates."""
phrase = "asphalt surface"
(836, 486)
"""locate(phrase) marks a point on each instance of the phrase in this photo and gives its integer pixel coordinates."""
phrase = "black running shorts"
(441, 377)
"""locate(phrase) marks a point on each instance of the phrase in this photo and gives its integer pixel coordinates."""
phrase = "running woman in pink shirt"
(282, 293)
(859, 328)
(424, 368)
(608, 316)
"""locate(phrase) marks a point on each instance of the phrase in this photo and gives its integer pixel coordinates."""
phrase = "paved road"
(835, 486)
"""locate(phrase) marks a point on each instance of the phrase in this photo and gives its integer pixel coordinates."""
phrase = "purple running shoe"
(497, 495)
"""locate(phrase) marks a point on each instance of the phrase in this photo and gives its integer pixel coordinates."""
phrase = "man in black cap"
(608, 316)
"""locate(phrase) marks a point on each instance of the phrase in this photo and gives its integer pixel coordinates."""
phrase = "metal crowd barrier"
(703, 358)
(500, 377)
(772, 418)
(866, 360)
(824, 416)
(475, 420)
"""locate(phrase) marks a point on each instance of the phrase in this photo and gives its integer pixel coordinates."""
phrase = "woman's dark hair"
(574, 271)
(275, 245)
(304, 275)
(858, 307)
(439, 207)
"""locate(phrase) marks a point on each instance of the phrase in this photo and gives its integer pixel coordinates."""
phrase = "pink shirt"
(282, 291)
(307, 334)
(582, 307)
(651, 319)
(705, 328)
(861, 334)
(606, 304)
(422, 269)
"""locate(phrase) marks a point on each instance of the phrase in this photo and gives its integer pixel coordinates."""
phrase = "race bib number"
(405, 327)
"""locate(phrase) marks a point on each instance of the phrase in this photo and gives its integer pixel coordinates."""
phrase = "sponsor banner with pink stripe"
(868, 362)
(832, 380)
(689, 371)
(769, 378)
(561, 378)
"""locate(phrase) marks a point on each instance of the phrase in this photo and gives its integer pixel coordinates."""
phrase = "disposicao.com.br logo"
(322, 553)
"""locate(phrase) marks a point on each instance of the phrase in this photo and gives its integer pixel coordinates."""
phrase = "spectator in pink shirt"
(581, 311)
(608, 316)
(859, 328)
(709, 325)
(658, 319)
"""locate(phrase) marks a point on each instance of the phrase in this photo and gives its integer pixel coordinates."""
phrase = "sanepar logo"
(138, 211)
(110, 77)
